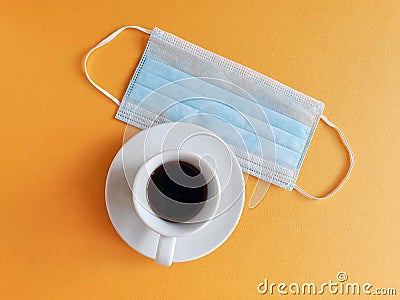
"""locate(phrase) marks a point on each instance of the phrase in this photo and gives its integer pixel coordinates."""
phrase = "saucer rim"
(236, 217)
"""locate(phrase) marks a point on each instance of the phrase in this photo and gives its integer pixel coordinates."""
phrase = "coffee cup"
(176, 193)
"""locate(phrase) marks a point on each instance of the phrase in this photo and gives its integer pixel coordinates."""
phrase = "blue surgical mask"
(268, 125)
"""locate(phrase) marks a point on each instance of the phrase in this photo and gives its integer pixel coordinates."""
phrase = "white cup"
(168, 230)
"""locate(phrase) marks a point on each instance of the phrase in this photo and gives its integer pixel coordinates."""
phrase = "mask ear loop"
(101, 44)
(351, 158)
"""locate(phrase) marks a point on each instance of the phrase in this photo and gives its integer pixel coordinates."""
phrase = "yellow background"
(59, 137)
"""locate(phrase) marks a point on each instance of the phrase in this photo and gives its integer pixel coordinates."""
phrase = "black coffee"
(176, 191)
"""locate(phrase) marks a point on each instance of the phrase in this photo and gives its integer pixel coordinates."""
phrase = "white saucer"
(173, 136)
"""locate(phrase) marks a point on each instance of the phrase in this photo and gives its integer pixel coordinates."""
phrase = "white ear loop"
(351, 158)
(101, 44)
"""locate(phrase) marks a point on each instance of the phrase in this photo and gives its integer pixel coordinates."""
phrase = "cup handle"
(165, 250)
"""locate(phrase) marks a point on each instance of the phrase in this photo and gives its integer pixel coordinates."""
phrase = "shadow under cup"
(182, 188)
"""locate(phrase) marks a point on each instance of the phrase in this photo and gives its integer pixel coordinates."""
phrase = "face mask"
(268, 125)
